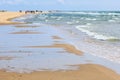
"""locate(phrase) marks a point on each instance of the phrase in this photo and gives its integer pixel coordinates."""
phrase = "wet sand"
(26, 32)
(84, 72)
(25, 26)
(6, 58)
(56, 37)
(68, 47)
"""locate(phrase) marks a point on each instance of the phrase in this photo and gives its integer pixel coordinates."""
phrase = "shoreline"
(85, 71)
(6, 17)
(68, 47)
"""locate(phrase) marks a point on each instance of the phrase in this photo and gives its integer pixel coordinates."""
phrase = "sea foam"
(95, 35)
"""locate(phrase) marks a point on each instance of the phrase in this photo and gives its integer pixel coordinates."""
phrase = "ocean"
(93, 32)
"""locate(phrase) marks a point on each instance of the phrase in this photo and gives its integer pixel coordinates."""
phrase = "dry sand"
(5, 17)
(86, 72)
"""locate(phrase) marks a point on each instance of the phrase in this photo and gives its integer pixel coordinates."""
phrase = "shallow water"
(94, 32)
(49, 59)
(39, 59)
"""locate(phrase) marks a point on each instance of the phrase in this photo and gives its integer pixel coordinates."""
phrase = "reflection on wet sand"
(25, 26)
(6, 58)
(67, 47)
(21, 59)
(85, 72)
(56, 37)
(26, 32)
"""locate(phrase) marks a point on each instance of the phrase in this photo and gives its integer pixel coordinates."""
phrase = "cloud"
(61, 1)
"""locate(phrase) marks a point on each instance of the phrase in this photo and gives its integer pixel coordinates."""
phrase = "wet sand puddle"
(38, 52)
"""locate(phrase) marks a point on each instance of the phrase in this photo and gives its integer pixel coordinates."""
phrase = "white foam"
(69, 22)
(91, 19)
(90, 13)
(113, 14)
(21, 19)
(111, 20)
(95, 35)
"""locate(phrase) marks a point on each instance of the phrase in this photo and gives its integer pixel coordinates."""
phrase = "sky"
(99, 5)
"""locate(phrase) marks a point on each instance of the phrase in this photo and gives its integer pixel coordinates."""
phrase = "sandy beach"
(86, 72)
(5, 17)
(28, 39)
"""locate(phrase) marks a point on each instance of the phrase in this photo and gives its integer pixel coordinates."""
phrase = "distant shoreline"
(5, 17)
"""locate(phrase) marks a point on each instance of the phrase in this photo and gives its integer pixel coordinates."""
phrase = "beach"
(5, 17)
(86, 72)
(43, 52)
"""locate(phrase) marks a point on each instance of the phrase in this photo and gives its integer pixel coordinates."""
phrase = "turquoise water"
(100, 25)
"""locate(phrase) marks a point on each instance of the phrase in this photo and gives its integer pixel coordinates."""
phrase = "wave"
(91, 19)
(96, 35)
(92, 13)
(23, 18)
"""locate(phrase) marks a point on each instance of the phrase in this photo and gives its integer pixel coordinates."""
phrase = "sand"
(86, 72)
(25, 26)
(68, 47)
(6, 58)
(5, 17)
(56, 37)
(26, 32)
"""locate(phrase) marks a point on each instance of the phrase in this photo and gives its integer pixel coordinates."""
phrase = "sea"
(93, 32)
